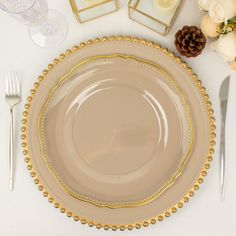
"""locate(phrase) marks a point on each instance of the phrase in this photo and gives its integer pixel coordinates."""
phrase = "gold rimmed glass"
(47, 28)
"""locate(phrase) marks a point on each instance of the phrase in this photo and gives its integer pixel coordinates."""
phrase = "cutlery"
(13, 97)
(223, 94)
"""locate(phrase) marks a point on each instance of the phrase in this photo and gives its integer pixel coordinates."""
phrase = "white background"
(25, 212)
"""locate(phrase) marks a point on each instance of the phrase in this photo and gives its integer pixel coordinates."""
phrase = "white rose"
(221, 10)
(226, 46)
(232, 65)
(205, 4)
(209, 27)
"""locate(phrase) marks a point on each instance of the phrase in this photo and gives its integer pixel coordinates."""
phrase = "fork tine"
(7, 84)
(12, 84)
(17, 85)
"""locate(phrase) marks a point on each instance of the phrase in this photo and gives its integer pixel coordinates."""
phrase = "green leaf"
(228, 26)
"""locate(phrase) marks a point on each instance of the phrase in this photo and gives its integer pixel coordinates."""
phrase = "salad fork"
(13, 97)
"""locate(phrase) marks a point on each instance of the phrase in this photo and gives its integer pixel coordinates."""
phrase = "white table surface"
(25, 212)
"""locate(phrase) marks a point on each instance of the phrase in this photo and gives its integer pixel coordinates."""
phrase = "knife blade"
(223, 94)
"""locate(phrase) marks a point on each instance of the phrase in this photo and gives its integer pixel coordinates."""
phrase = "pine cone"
(190, 41)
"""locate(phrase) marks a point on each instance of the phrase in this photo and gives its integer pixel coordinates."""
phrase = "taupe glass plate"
(119, 133)
(106, 131)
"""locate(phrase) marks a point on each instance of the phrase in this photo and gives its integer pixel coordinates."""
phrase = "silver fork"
(13, 97)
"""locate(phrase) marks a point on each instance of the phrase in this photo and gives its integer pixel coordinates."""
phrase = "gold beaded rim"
(174, 208)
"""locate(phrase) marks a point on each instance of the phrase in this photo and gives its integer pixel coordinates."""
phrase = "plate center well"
(115, 129)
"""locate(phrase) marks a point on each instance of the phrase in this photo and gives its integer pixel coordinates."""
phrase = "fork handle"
(11, 153)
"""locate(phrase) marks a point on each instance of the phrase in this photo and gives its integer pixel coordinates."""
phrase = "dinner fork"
(13, 97)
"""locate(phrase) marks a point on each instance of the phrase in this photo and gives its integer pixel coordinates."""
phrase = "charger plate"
(118, 133)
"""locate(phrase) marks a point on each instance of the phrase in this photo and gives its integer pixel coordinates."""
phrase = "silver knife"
(224, 92)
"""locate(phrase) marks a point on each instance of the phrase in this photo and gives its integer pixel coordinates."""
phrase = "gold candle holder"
(146, 13)
(86, 10)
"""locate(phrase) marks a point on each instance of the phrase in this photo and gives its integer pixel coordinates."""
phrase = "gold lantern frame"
(167, 26)
(77, 11)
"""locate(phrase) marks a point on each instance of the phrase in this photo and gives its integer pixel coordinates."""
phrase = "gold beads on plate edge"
(198, 84)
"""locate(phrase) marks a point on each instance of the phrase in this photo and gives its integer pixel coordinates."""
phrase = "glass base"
(51, 32)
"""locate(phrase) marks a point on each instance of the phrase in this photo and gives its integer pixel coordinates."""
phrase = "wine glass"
(47, 28)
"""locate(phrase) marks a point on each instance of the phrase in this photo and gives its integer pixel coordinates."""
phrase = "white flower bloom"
(209, 27)
(226, 46)
(221, 10)
(232, 65)
(205, 4)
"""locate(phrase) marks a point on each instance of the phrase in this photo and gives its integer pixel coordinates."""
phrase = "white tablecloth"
(25, 212)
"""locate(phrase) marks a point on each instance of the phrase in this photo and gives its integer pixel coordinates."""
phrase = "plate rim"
(202, 93)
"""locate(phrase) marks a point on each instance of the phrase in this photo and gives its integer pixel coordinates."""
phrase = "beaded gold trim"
(188, 195)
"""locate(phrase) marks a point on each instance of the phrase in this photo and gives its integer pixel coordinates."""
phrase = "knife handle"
(222, 160)
(222, 149)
